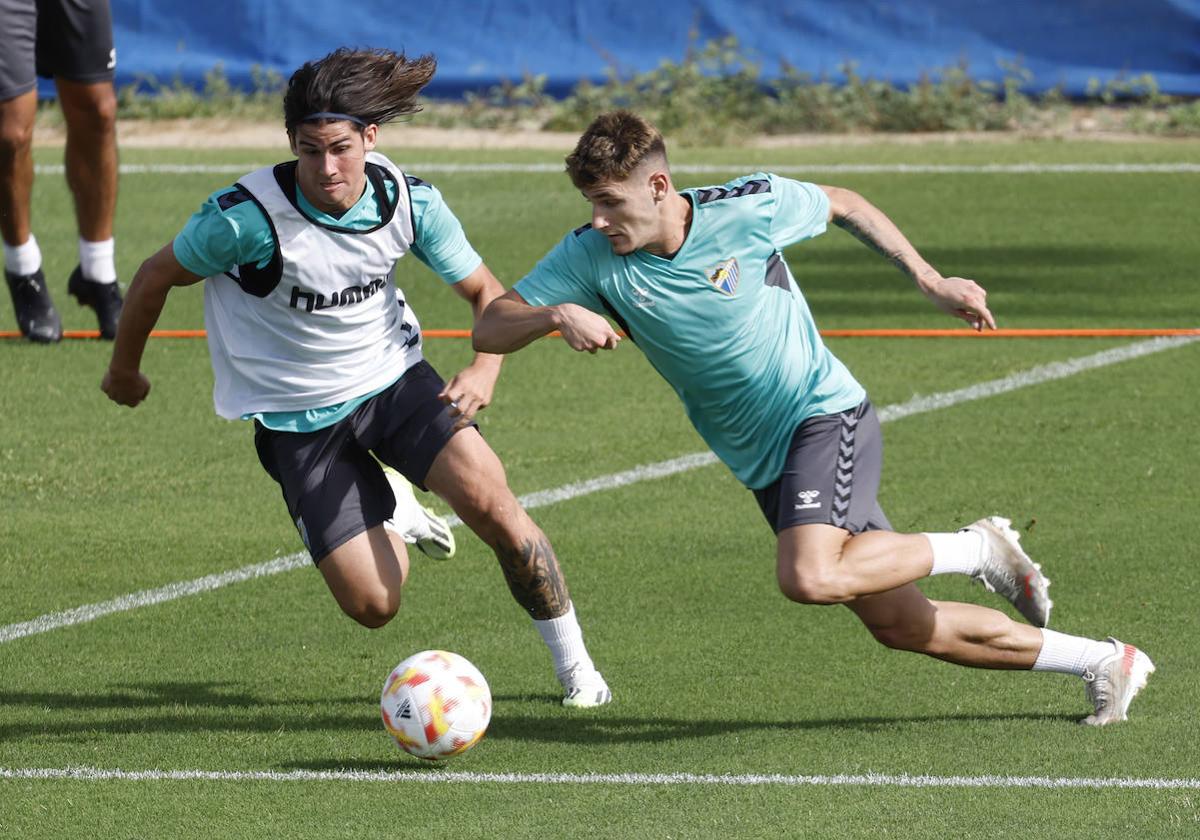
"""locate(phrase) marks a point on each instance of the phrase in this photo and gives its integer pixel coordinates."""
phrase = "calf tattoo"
(534, 578)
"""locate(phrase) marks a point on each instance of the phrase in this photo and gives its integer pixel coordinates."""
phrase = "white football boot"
(417, 524)
(1114, 681)
(1007, 570)
(584, 689)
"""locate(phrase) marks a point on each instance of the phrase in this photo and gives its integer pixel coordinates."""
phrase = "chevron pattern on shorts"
(844, 478)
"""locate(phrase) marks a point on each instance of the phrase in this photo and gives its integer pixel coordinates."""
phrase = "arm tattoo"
(534, 578)
(864, 231)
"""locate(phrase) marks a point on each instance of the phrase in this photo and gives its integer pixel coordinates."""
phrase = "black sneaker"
(105, 298)
(36, 315)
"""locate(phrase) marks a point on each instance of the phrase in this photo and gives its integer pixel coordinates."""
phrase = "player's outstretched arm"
(955, 296)
(510, 323)
(124, 382)
(470, 390)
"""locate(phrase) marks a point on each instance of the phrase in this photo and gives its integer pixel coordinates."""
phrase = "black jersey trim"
(608, 307)
(758, 185)
(411, 181)
(255, 281)
(582, 229)
(285, 176)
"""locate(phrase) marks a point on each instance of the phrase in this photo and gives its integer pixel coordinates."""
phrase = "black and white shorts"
(333, 487)
(70, 39)
(831, 476)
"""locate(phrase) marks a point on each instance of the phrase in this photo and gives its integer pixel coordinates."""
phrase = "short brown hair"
(612, 147)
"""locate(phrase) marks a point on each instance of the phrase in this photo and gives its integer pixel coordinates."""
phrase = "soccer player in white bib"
(697, 281)
(313, 343)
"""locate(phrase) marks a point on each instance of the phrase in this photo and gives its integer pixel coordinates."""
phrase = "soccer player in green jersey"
(314, 344)
(697, 281)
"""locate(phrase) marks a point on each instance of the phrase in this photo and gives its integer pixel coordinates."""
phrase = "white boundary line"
(94, 774)
(783, 169)
(645, 472)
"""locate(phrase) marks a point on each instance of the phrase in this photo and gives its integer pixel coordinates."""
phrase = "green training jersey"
(722, 320)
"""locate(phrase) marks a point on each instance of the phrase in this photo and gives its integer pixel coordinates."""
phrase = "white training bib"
(324, 322)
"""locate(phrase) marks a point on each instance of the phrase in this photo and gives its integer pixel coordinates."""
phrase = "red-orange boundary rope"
(874, 333)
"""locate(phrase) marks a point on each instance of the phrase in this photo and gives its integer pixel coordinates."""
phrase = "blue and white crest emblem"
(725, 276)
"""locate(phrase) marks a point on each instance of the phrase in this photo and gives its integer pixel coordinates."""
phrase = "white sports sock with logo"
(23, 259)
(957, 553)
(1070, 654)
(564, 637)
(96, 261)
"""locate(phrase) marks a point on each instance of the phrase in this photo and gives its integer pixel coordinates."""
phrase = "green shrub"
(716, 94)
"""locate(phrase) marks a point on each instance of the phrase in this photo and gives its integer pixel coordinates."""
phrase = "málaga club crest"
(725, 276)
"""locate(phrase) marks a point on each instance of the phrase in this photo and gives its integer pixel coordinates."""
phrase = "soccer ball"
(436, 704)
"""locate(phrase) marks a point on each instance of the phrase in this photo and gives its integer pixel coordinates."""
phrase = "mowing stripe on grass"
(699, 169)
(95, 774)
(645, 472)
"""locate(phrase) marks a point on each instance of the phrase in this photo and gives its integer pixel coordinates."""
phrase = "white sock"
(96, 261)
(1070, 654)
(960, 552)
(564, 637)
(23, 259)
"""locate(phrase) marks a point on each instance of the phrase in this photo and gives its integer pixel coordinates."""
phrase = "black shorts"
(831, 476)
(333, 487)
(69, 39)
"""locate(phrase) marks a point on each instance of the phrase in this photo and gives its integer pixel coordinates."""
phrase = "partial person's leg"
(338, 498)
(469, 476)
(964, 634)
(37, 318)
(91, 162)
(16, 167)
(365, 574)
(823, 564)
(90, 110)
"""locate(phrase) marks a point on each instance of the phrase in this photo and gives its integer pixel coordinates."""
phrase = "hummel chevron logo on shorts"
(844, 478)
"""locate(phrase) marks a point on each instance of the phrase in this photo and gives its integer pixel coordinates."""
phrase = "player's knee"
(500, 522)
(15, 137)
(373, 611)
(812, 582)
(97, 114)
(901, 636)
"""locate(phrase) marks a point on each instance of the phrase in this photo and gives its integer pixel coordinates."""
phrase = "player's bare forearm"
(871, 226)
(957, 296)
(509, 323)
(144, 303)
(479, 289)
(534, 578)
(123, 382)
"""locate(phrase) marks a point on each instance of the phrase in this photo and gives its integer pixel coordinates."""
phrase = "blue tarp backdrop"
(482, 42)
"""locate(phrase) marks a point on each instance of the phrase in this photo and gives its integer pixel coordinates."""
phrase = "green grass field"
(713, 671)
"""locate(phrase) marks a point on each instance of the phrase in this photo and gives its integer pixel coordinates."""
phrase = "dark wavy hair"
(612, 147)
(373, 85)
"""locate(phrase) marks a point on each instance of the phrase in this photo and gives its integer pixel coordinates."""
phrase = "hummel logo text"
(346, 297)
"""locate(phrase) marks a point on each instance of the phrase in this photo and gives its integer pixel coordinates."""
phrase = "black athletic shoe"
(36, 315)
(105, 298)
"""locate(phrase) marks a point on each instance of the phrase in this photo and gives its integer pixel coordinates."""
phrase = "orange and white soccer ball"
(436, 704)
